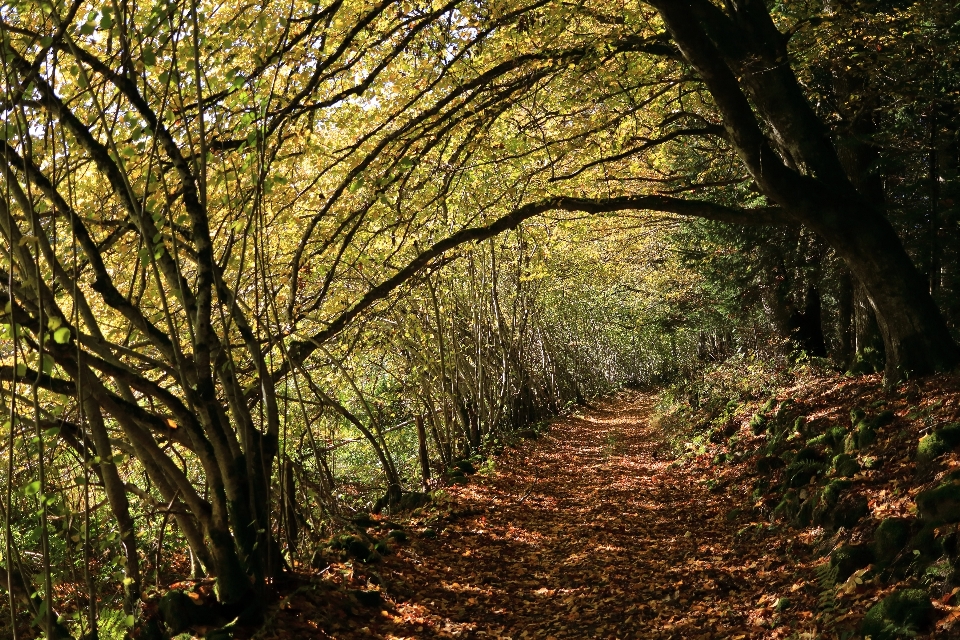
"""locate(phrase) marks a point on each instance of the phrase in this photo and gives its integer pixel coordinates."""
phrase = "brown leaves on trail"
(581, 534)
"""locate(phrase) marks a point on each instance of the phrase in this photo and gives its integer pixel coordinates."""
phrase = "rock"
(429, 533)
(758, 424)
(527, 434)
(942, 440)
(940, 505)
(890, 538)
(849, 558)
(383, 548)
(902, 613)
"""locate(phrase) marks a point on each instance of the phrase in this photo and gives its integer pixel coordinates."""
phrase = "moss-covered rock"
(884, 418)
(398, 535)
(865, 434)
(866, 361)
(769, 464)
(845, 465)
(411, 500)
(939, 442)
(889, 539)
(357, 549)
(849, 558)
(925, 546)
(856, 415)
(849, 511)
(941, 504)
(465, 466)
(788, 507)
(758, 424)
(850, 444)
(903, 613)
(831, 438)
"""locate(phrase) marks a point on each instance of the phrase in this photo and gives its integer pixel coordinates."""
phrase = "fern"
(827, 577)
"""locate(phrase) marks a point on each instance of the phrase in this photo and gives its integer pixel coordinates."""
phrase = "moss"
(833, 509)
(849, 511)
(849, 558)
(941, 441)
(941, 504)
(769, 405)
(788, 507)
(903, 613)
(925, 545)
(890, 538)
(398, 534)
(758, 424)
(866, 434)
(866, 361)
(845, 465)
(832, 438)
(856, 415)
(808, 454)
(850, 444)
(884, 418)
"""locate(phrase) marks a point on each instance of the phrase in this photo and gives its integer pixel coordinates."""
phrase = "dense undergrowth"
(862, 475)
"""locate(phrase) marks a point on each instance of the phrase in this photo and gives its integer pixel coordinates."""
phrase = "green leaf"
(53, 323)
(87, 29)
(46, 364)
(62, 335)
(31, 488)
(52, 431)
(129, 619)
(21, 370)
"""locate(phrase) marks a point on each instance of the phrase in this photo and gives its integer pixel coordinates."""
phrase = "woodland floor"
(587, 532)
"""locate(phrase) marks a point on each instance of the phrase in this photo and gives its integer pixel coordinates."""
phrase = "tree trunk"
(741, 57)
(424, 457)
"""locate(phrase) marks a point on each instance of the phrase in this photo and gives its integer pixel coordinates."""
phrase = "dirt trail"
(585, 533)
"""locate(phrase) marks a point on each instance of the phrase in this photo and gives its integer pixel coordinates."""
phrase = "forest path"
(585, 533)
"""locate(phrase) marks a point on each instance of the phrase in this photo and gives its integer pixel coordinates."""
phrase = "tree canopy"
(259, 251)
